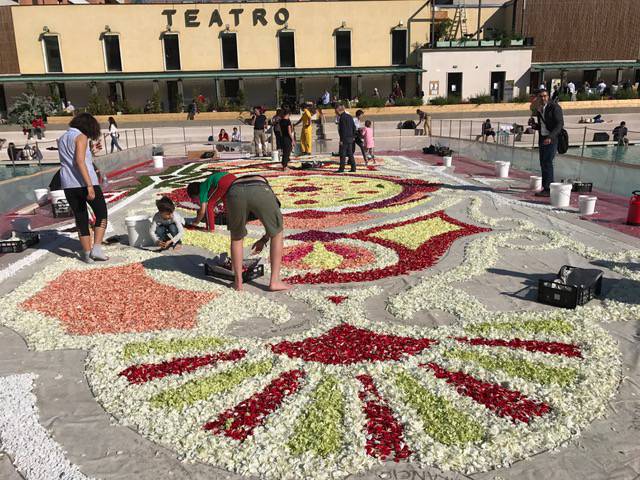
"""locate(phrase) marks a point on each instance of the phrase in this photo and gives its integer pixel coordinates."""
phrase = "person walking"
(358, 120)
(259, 122)
(276, 133)
(288, 138)
(306, 136)
(114, 134)
(192, 110)
(79, 180)
(347, 133)
(550, 123)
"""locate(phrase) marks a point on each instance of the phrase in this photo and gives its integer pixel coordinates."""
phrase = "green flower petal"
(551, 326)
(320, 429)
(442, 421)
(534, 371)
(202, 388)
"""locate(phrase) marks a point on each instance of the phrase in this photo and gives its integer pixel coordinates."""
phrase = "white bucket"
(158, 161)
(587, 204)
(448, 161)
(138, 230)
(502, 169)
(275, 156)
(535, 183)
(41, 195)
(56, 195)
(21, 224)
(561, 194)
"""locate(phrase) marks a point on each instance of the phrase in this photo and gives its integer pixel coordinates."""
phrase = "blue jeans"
(115, 144)
(547, 154)
(163, 232)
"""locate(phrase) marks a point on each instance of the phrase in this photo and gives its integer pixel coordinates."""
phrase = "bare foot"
(238, 287)
(279, 286)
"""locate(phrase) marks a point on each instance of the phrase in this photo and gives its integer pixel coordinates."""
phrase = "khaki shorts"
(256, 198)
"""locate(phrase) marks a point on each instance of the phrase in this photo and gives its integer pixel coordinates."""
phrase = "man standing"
(571, 88)
(326, 98)
(347, 133)
(550, 123)
(259, 122)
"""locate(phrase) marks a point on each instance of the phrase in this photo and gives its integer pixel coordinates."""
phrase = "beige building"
(265, 53)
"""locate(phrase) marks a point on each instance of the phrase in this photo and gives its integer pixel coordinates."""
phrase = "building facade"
(582, 40)
(263, 52)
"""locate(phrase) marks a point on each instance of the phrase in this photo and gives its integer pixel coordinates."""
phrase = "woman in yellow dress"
(305, 138)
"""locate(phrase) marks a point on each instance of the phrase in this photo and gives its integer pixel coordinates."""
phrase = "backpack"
(563, 141)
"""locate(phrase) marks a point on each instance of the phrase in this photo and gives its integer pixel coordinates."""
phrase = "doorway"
(497, 86)
(344, 88)
(3, 103)
(401, 80)
(590, 76)
(454, 84)
(172, 93)
(289, 92)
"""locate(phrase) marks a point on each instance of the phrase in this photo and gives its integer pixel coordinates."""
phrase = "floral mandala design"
(351, 393)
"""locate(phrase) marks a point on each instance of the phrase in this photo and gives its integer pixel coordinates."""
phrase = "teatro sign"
(192, 17)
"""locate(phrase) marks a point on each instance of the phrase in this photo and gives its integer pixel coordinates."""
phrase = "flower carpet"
(350, 373)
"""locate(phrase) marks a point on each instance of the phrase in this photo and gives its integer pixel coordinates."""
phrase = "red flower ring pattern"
(421, 251)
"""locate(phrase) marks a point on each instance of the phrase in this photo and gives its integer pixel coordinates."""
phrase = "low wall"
(17, 192)
(606, 176)
(464, 108)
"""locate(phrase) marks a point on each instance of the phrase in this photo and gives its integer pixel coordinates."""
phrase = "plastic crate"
(581, 286)
(61, 208)
(254, 270)
(582, 187)
(25, 240)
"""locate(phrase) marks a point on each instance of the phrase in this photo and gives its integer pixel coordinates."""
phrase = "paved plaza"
(411, 346)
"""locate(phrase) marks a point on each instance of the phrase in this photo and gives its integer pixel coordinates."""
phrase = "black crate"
(61, 208)
(581, 286)
(582, 187)
(25, 240)
(254, 270)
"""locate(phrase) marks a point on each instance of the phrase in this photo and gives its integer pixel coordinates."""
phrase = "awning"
(221, 74)
(536, 67)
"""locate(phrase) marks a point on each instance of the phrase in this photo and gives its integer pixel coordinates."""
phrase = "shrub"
(450, 100)
(370, 102)
(154, 104)
(627, 94)
(29, 106)
(564, 97)
(98, 105)
(522, 98)
(481, 98)
(585, 97)
(408, 102)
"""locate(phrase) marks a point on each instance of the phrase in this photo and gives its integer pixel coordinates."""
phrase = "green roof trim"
(536, 67)
(221, 74)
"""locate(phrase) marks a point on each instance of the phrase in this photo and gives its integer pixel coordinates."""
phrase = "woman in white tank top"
(81, 185)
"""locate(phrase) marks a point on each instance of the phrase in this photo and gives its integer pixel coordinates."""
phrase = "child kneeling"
(167, 225)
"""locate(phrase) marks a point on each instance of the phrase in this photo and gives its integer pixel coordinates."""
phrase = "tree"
(28, 107)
